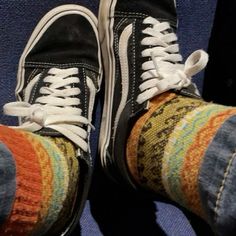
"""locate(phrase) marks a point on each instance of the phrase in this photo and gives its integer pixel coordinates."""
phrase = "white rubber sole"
(105, 26)
(41, 28)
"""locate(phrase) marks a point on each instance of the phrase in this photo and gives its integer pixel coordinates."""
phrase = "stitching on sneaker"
(142, 16)
(85, 94)
(32, 75)
(116, 41)
(34, 72)
(122, 21)
(131, 13)
(48, 64)
(134, 66)
(94, 77)
(34, 89)
(221, 189)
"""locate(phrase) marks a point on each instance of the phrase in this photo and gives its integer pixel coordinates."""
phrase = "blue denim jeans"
(217, 180)
(7, 182)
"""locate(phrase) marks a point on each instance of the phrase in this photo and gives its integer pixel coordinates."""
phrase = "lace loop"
(165, 71)
(196, 62)
(55, 109)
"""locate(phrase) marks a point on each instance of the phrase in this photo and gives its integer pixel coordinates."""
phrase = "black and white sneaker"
(141, 60)
(59, 75)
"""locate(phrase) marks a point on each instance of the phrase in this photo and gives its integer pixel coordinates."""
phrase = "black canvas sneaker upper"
(141, 60)
(59, 75)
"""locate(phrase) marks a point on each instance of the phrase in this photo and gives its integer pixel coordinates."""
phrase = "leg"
(59, 75)
(184, 149)
(152, 104)
(46, 180)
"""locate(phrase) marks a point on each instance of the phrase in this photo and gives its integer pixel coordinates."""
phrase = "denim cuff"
(7, 182)
(217, 178)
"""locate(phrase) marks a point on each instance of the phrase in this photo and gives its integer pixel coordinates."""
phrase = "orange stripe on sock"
(47, 174)
(28, 197)
(194, 156)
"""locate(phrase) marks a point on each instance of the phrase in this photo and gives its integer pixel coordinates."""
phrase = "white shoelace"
(55, 109)
(164, 71)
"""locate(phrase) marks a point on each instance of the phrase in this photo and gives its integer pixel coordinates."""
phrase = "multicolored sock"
(46, 176)
(167, 146)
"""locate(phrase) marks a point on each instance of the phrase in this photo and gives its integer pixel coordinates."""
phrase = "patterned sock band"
(167, 146)
(46, 178)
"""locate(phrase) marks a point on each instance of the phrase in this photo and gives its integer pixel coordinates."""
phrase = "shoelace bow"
(55, 109)
(165, 71)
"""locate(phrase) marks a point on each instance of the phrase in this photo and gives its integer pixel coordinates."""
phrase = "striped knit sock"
(168, 145)
(68, 151)
(46, 179)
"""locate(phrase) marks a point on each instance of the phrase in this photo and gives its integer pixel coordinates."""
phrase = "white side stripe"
(124, 65)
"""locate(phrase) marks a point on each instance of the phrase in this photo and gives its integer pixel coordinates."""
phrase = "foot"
(141, 60)
(59, 74)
